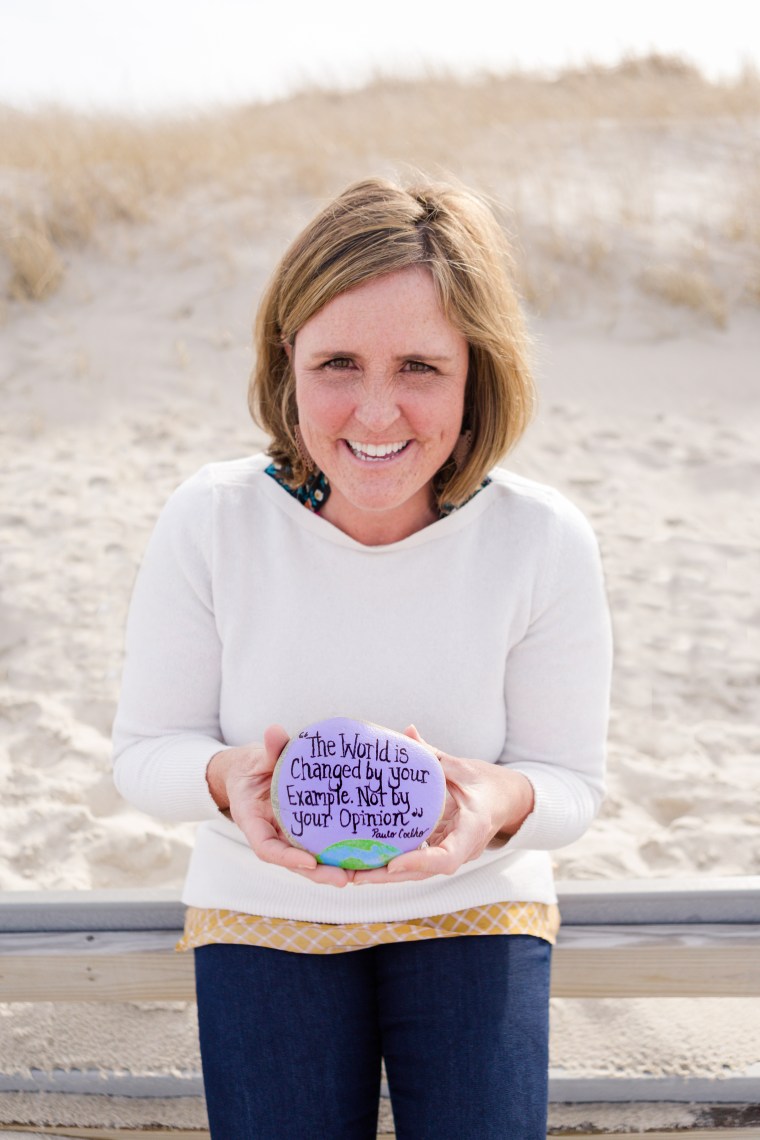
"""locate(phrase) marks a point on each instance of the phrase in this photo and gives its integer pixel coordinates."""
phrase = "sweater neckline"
(313, 522)
(316, 491)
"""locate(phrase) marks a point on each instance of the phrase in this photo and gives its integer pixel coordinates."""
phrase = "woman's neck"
(380, 528)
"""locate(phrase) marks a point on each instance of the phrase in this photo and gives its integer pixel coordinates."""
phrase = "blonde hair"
(376, 227)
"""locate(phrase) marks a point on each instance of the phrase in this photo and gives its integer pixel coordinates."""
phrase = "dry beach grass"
(587, 163)
(132, 254)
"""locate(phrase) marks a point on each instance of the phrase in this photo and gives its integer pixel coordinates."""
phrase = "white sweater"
(488, 630)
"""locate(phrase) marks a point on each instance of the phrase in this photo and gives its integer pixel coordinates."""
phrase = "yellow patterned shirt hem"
(204, 926)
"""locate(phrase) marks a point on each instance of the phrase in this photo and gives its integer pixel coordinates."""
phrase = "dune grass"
(688, 287)
(602, 172)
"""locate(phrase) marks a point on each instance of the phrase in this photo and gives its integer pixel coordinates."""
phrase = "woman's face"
(380, 384)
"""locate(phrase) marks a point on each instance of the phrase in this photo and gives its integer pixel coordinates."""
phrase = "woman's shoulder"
(228, 473)
(220, 475)
(536, 503)
(194, 503)
(551, 529)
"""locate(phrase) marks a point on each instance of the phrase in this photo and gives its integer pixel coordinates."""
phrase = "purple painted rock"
(356, 794)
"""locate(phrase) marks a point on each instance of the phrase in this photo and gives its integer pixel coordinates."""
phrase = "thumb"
(275, 739)
(413, 734)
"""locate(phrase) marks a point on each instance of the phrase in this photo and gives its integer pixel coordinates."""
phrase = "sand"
(134, 374)
(112, 396)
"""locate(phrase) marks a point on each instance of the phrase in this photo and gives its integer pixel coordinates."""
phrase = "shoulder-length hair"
(376, 227)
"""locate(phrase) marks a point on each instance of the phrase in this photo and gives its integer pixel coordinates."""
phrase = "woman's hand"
(240, 781)
(483, 801)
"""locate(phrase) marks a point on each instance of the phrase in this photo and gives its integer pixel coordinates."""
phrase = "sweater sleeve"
(167, 723)
(557, 690)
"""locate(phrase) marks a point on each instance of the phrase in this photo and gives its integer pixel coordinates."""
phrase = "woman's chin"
(396, 511)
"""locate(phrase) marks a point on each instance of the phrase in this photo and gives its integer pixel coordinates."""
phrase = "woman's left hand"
(483, 801)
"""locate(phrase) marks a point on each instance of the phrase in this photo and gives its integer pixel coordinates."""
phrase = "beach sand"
(133, 373)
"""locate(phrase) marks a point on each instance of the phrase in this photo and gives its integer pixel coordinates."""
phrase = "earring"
(462, 449)
(302, 450)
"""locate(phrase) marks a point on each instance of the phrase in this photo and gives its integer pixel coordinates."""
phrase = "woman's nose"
(377, 405)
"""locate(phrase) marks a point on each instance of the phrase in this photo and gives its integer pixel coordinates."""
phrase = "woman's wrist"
(216, 777)
(518, 801)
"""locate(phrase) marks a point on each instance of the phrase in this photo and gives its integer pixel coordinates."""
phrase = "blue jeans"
(291, 1044)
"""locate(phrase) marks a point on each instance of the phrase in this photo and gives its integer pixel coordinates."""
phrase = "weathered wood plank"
(104, 1133)
(103, 966)
(617, 961)
(149, 977)
(101, 943)
(657, 961)
(691, 899)
(123, 909)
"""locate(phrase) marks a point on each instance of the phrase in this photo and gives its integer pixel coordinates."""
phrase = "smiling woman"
(422, 276)
(427, 586)
(381, 415)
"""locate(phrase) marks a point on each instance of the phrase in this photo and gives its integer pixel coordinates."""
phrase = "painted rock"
(356, 794)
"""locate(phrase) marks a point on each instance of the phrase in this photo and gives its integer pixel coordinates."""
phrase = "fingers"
(331, 876)
(464, 842)
(267, 845)
(404, 874)
(265, 842)
(444, 859)
(412, 867)
(273, 850)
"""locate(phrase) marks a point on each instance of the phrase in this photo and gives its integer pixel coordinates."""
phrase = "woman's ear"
(288, 350)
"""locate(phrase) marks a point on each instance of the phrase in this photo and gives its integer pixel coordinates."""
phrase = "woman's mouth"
(376, 452)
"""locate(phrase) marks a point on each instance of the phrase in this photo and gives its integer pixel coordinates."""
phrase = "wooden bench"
(696, 937)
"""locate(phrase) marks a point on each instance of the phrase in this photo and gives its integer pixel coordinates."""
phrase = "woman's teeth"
(376, 450)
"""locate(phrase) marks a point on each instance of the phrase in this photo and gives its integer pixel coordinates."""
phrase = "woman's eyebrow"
(432, 356)
(427, 356)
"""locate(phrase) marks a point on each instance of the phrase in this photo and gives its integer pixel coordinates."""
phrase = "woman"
(375, 564)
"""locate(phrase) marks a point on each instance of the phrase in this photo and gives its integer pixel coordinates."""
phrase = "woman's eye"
(339, 362)
(418, 366)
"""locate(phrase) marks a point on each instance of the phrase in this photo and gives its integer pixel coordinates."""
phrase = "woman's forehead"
(395, 305)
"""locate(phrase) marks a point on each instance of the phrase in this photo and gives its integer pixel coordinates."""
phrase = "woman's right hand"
(240, 781)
